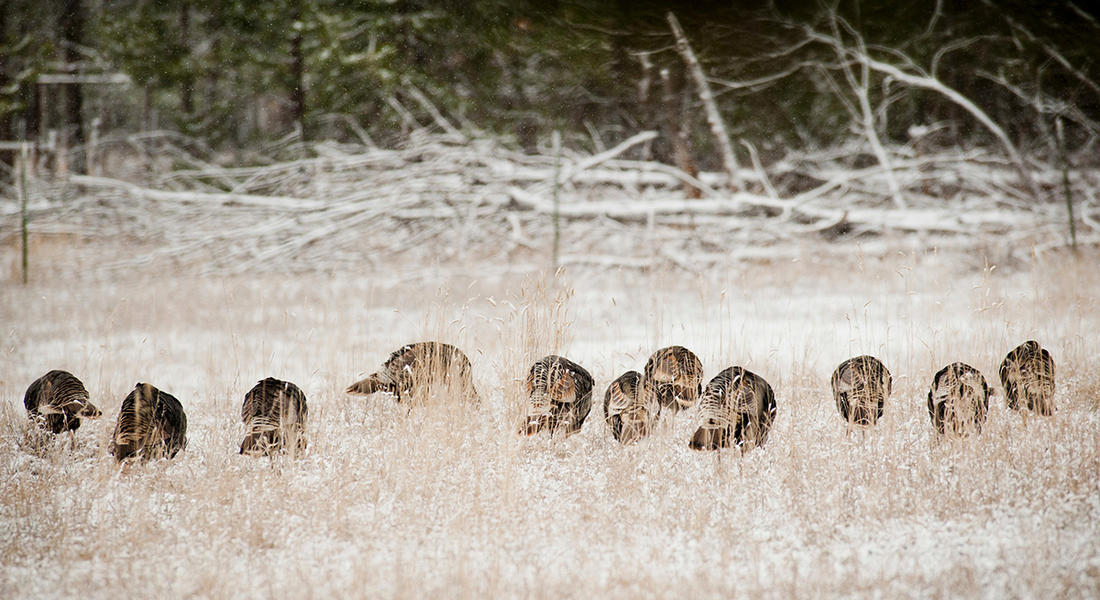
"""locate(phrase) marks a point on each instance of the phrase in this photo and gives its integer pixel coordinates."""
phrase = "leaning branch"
(714, 118)
(437, 116)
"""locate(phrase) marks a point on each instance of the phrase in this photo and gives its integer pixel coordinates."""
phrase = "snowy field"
(396, 503)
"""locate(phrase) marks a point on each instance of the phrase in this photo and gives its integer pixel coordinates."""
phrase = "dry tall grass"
(392, 502)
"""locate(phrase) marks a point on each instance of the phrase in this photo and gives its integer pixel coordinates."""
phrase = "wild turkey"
(861, 386)
(275, 412)
(57, 401)
(419, 371)
(151, 424)
(630, 407)
(737, 409)
(559, 396)
(677, 377)
(1027, 375)
(958, 400)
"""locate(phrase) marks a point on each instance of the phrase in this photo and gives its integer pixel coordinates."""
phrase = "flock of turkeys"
(736, 408)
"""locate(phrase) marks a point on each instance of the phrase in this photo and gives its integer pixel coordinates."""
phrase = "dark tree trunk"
(297, 73)
(6, 118)
(676, 128)
(623, 75)
(33, 113)
(212, 69)
(188, 83)
(72, 35)
(526, 121)
(147, 109)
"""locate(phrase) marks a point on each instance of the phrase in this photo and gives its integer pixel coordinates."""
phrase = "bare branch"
(1044, 104)
(953, 46)
(759, 81)
(1084, 15)
(927, 82)
(936, 12)
(867, 117)
(1051, 51)
(851, 109)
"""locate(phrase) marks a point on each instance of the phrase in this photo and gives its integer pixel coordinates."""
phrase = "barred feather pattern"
(151, 424)
(737, 409)
(275, 413)
(57, 400)
(1027, 376)
(559, 396)
(421, 368)
(861, 386)
(630, 407)
(958, 400)
(676, 374)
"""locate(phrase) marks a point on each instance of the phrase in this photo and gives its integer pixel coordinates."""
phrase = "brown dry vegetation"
(397, 503)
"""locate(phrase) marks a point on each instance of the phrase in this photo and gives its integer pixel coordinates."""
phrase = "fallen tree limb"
(199, 198)
(898, 219)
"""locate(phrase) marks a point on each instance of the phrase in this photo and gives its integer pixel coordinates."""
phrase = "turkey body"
(1027, 375)
(57, 401)
(861, 386)
(958, 400)
(737, 410)
(419, 372)
(559, 396)
(275, 412)
(676, 375)
(630, 407)
(151, 424)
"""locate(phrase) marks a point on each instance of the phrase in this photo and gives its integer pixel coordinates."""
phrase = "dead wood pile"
(447, 197)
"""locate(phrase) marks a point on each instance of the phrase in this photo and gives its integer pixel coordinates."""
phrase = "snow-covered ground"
(390, 502)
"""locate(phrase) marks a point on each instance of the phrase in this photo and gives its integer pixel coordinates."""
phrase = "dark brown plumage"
(1027, 375)
(559, 396)
(630, 407)
(861, 386)
(958, 400)
(57, 400)
(677, 377)
(275, 413)
(737, 409)
(420, 371)
(151, 424)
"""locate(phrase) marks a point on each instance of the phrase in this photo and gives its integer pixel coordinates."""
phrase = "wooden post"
(91, 149)
(1065, 182)
(557, 184)
(23, 203)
